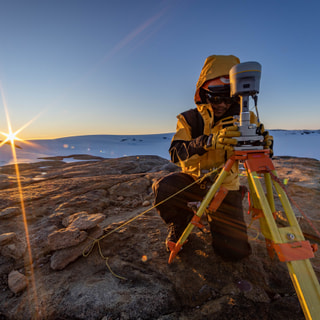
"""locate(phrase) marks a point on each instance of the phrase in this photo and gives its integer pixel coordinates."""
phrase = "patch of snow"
(296, 143)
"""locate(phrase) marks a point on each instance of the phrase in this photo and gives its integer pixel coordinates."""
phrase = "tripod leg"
(268, 181)
(285, 203)
(291, 247)
(204, 204)
(307, 287)
(264, 205)
(257, 209)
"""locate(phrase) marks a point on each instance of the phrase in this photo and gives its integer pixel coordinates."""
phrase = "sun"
(11, 137)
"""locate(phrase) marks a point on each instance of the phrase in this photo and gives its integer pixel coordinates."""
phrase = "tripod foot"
(174, 251)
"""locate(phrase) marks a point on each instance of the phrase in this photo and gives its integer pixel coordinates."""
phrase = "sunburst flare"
(11, 137)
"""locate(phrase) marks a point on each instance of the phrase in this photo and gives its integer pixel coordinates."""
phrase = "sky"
(85, 67)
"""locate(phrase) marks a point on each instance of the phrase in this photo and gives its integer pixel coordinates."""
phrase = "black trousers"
(228, 229)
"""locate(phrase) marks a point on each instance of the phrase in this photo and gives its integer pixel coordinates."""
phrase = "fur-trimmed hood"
(214, 66)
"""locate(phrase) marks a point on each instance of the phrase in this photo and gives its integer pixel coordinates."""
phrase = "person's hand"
(268, 142)
(224, 139)
(267, 139)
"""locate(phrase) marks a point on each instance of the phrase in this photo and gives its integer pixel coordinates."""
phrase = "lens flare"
(11, 137)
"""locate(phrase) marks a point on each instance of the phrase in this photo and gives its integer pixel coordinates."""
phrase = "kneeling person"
(203, 141)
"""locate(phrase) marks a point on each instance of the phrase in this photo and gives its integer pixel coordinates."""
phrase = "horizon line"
(141, 134)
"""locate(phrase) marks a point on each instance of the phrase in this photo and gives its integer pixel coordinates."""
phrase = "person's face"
(220, 109)
(220, 105)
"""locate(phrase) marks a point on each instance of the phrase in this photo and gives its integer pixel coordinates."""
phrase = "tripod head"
(244, 83)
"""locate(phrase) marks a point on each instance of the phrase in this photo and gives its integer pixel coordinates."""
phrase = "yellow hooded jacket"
(195, 125)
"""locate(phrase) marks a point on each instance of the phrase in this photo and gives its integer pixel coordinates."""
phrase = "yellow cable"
(87, 251)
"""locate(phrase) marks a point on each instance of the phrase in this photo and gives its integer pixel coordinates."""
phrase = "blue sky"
(129, 67)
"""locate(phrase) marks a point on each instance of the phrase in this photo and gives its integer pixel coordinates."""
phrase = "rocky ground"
(125, 275)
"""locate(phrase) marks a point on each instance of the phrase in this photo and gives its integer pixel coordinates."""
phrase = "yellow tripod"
(287, 242)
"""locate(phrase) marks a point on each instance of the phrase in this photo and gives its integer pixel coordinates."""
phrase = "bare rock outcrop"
(9, 212)
(66, 237)
(12, 246)
(17, 282)
(71, 241)
(98, 248)
(82, 220)
(61, 258)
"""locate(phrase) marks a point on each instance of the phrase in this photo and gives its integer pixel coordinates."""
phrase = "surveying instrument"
(287, 242)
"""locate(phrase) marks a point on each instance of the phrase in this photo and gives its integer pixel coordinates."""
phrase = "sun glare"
(11, 137)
